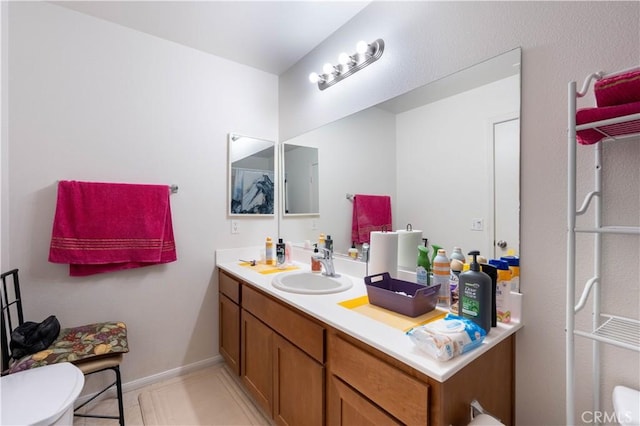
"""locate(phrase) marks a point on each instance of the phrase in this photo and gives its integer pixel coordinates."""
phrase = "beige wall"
(561, 41)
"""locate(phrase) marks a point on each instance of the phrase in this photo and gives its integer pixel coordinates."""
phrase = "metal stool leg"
(118, 385)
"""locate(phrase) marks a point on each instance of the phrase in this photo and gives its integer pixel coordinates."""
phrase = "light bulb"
(314, 77)
(344, 59)
(362, 47)
(328, 68)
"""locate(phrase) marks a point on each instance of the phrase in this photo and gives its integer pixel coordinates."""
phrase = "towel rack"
(173, 189)
(350, 197)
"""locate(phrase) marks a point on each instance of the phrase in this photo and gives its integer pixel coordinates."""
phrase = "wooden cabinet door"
(229, 332)
(347, 407)
(257, 360)
(298, 386)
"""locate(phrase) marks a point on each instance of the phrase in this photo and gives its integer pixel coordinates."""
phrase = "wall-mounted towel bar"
(173, 189)
(350, 197)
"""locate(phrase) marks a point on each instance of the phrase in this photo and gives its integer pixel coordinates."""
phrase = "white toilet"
(41, 396)
(626, 403)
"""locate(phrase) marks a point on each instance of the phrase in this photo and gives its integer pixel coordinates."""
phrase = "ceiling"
(268, 35)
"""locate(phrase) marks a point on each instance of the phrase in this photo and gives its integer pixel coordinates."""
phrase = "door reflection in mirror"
(300, 180)
(251, 175)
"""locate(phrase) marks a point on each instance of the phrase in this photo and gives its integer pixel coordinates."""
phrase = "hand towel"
(370, 213)
(618, 90)
(102, 227)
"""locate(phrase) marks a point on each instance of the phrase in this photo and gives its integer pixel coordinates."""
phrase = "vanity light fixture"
(366, 53)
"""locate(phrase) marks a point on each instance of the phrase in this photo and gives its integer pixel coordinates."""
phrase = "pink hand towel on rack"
(104, 227)
(370, 213)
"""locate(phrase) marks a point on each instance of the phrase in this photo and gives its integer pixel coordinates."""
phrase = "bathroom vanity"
(307, 360)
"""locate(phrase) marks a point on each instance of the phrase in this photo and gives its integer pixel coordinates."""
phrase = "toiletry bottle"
(353, 251)
(321, 241)
(457, 254)
(454, 279)
(287, 253)
(328, 243)
(503, 290)
(424, 266)
(316, 265)
(269, 252)
(475, 295)
(514, 267)
(441, 273)
(493, 274)
(280, 252)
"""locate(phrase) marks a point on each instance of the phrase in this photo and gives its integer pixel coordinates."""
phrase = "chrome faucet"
(327, 261)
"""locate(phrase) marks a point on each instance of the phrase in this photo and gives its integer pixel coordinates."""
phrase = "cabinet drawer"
(229, 286)
(402, 396)
(299, 330)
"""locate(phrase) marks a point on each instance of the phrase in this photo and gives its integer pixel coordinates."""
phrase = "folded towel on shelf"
(591, 115)
(104, 227)
(370, 213)
(618, 89)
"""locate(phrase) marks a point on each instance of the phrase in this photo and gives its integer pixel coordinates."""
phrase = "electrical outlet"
(477, 224)
(235, 227)
(314, 224)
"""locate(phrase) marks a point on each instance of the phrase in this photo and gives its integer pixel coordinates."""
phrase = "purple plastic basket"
(382, 291)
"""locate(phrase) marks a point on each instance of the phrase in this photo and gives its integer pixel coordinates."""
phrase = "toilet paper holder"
(477, 409)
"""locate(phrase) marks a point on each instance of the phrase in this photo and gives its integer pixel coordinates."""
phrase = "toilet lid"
(626, 403)
(39, 395)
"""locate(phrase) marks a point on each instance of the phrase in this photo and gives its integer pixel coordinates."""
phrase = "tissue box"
(385, 292)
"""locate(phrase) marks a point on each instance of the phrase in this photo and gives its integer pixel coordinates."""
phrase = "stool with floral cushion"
(92, 348)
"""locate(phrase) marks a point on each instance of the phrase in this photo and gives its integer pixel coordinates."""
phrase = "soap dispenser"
(475, 294)
(316, 265)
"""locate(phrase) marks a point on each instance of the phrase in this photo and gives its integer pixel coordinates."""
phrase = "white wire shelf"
(629, 230)
(617, 331)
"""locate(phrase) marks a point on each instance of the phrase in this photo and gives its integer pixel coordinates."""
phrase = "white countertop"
(325, 308)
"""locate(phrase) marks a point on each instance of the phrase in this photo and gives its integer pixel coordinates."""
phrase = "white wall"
(444, 152)
(90, 100)
(561, 41)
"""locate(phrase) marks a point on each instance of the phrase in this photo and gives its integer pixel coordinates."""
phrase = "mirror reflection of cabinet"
(251, 175)
(300, 191)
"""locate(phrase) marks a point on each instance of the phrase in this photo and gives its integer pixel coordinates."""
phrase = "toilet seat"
(41, 396)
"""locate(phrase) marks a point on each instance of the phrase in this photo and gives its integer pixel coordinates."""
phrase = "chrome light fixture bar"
(348, 64)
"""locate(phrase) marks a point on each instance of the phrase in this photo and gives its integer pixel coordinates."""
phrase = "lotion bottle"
(353, 251)
(269, 260)
(441, 275)
(475, 294)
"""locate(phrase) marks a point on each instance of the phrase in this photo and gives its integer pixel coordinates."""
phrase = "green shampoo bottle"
(475, 294)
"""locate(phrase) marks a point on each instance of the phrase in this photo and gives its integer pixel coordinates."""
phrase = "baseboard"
(149, 380)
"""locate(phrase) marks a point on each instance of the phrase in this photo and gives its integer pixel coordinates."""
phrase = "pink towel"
(618, 90)
(370, 213)
(103, 227)
(590, 115)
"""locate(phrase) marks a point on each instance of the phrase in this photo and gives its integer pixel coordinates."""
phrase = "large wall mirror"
(447, 153)
(300, 188)
(252, 175)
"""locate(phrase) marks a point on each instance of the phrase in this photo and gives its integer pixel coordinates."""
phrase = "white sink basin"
(310, 283)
